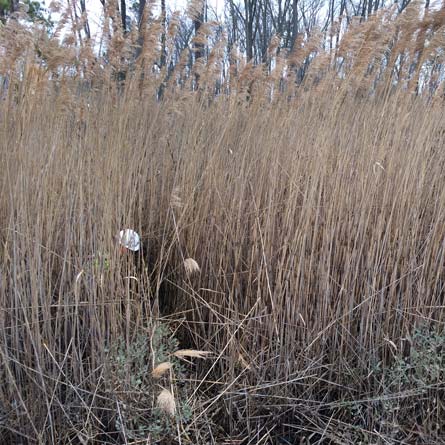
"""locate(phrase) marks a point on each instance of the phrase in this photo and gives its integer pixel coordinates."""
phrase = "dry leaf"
(79, 275)
(76, 283)
(191, 353)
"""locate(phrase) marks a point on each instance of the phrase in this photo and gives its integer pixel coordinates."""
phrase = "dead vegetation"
(293, 237)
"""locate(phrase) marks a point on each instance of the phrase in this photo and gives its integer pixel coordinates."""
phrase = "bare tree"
(124, 16)
(294, 21)
(86, 25)
(198, 20)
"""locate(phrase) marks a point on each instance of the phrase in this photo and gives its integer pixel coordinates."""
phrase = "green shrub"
(130, 382)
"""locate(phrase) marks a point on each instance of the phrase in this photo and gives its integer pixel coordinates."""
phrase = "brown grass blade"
(191, 353)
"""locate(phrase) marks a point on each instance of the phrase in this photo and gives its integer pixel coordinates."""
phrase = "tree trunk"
(141, 11)
(248, 23)
(141, 14)
(86, 26)
(331, 20)
(124, 16)
(264, 38)
(164, 21)
(294, 32)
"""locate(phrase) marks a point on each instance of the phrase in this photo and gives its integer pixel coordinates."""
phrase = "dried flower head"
(191, 267)
(166, 402)
(161, 369)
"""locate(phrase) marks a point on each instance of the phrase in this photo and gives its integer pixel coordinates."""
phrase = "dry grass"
(191, 353)
(317, 225)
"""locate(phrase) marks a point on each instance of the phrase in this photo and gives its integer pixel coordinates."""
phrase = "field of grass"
(316, 218)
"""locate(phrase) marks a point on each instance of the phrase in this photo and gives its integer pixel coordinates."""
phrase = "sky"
(95, 10)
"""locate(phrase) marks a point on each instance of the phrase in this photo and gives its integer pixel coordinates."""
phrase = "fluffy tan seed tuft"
(191, 267)
(161, 369)
(166, 402)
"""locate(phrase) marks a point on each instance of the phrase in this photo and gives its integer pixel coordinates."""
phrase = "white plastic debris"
(130, 239)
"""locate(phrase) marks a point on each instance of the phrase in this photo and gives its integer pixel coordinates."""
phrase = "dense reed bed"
(316, 295)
